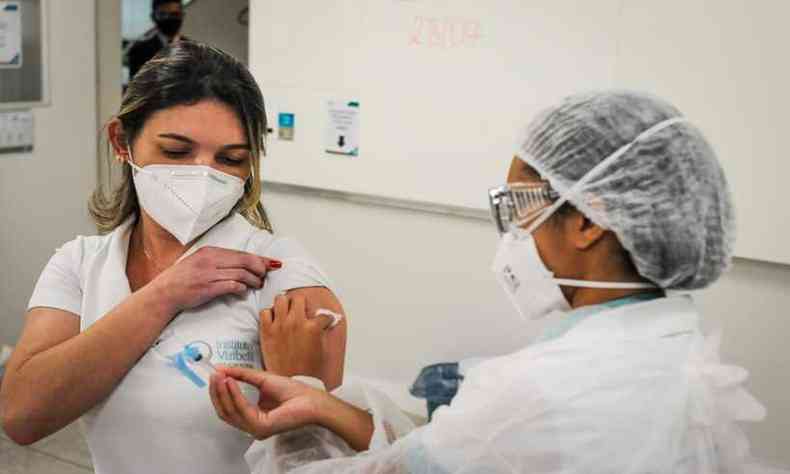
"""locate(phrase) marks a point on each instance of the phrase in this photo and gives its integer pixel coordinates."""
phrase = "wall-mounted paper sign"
(285, 126)
(342, 130)
(10, 34)
(16, 132)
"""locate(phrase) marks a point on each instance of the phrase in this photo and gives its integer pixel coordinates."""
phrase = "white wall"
(108, 62)
(214, 22)
(43, 195)
(108, 71)
(418, 290)
(458, 77)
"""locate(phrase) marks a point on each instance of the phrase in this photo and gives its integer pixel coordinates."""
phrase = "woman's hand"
(211, 272)
(284, 404)
(292, 340)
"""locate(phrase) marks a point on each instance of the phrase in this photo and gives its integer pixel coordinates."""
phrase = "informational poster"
(342, 130)
(16, 132)
(10, 34)
(285, 126)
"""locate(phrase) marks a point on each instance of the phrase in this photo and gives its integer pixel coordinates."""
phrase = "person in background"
(168, 16)
(615, 208)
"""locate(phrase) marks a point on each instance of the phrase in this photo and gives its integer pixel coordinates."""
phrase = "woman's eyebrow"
(182, 138)
(237, 146)
(178, 137)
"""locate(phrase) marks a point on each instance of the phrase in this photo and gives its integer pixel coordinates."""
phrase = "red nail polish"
(275, 264)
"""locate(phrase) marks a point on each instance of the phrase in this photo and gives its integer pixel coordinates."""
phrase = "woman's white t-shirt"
(158, 419)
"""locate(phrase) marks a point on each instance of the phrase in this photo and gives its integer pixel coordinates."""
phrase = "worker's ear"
(118, 140)
(581, 231)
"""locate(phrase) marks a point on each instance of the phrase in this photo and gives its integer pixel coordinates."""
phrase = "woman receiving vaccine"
(124, 327)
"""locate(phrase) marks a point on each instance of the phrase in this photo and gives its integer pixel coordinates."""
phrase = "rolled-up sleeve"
(300, 270)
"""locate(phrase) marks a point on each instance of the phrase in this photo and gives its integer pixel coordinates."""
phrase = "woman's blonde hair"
(184, 73)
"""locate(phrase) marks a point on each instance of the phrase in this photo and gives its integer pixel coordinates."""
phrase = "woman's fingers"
(211, 272)
(267, 320)
(271, 386)
(240, 275)
(284, 403)
(296, 313)
(298, 306)
(226, 258)
(272, 264)
(281, 305)
(248, 414)
(225, 287)
(228, 407)
(251, 376)
(214, 382)
(225, 404)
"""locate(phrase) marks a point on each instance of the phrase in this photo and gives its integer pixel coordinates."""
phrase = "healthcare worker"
(615, 206)
(123, 328)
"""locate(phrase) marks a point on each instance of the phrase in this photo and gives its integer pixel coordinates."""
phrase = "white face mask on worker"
(186, 200)
(530, 286)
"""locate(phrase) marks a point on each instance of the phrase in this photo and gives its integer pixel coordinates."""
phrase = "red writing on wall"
(444, 33)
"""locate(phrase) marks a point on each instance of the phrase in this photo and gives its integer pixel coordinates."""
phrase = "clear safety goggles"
(517, 203)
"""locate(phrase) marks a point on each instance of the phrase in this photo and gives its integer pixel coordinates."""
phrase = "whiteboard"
(445, 88)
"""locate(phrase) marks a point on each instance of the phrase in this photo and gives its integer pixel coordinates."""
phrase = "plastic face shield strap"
(598, 169)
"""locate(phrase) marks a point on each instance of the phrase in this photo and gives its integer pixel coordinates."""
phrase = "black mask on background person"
(169, 25)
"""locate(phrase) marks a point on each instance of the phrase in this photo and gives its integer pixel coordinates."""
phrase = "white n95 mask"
(529, 285)
(187, 200)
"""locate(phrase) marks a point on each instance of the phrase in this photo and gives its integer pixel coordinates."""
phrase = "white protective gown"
(633, 389)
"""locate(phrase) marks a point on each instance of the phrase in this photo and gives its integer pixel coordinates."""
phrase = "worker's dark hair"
(156, 3)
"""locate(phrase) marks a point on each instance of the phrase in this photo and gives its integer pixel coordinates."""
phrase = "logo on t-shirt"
(233, 352)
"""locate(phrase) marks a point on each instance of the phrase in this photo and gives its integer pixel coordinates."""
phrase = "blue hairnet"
(665, 198)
